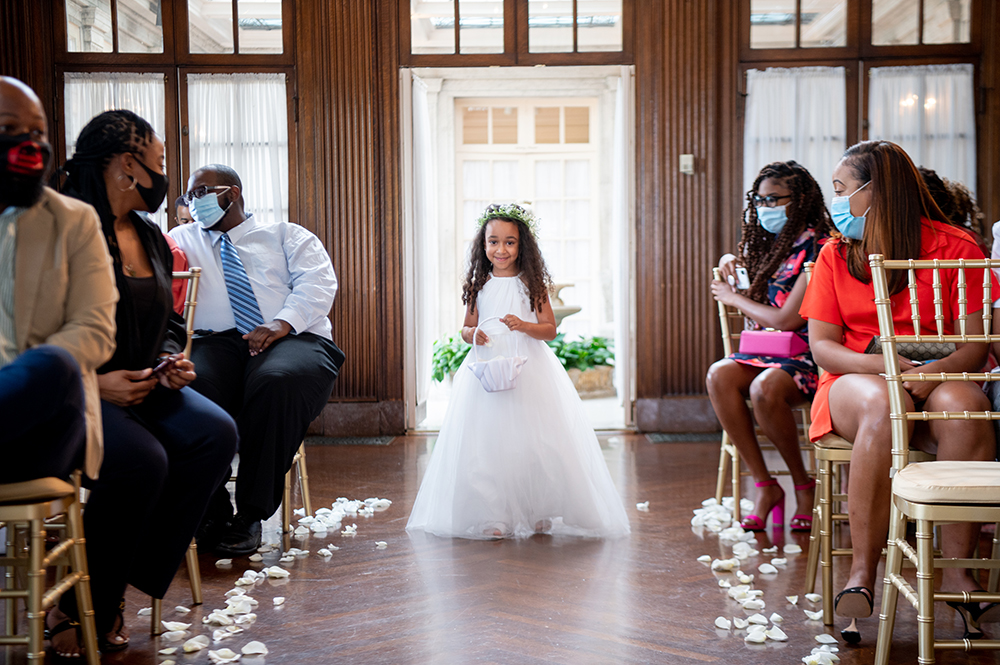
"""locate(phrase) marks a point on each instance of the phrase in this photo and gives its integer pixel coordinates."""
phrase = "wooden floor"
(641, 599)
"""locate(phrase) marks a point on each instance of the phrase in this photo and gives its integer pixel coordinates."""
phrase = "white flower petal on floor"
(744, 578)
(288, 558)
(173, 635)
(244, 619)
(256, 558)
(740, 623)
(324, 552)
(276, 572)
(379, 504)
(332, 548)
(767, 569)
(776, 634)
(299, 511)
(644, 506)
(224, 656)
(223, 562)
(756, 637)
(723, 623)
(779, 561)
(254, 648)
(725, 584)
(739, 592)
(704, 558)
(814, 597)
(220, 634)
(381, 544)
(182, 609)
(776, 618)
(169, 662)
(350, 530)
(145, 612)
(814, 616)
(753, 604)
(219, 618)
(278, 600)
(169, 651)
(264, 549)
(196, 643)
(235, 592)
(792, 548)
(301, 531)
(770, 550)
(794, 600)
(175, 625)
(758, 619)
(823, 638)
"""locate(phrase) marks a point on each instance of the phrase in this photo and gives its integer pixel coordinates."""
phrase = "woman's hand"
(513, 323)
(724, 293)
(727, 266)
(179, 374)
(919, 390)
(125, 387)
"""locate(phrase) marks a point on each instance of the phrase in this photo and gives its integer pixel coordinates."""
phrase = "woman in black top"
(166, 447)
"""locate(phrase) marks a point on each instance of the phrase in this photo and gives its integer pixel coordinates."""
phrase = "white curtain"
(240, 120)
(795, 114)
(88, 94)
(930, 112)
(425, 223)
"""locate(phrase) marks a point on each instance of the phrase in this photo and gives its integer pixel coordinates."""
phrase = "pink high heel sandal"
(755, 523)
(802, 522)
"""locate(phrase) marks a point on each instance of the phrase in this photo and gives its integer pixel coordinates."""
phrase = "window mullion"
(575, 13)
(236, 27)
(458, 29)
(920, 22)
(798, 23)
(114, 26)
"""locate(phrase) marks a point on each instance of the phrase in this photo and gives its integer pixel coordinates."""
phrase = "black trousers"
(42, 411)
(162, 460)
(273, 396)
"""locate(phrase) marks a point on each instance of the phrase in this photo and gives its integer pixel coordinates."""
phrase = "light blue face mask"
(772, 219)
(840, 210)
(206, 210)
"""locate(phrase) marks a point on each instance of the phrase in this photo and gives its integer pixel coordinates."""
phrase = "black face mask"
(23, 164)
(153, 196)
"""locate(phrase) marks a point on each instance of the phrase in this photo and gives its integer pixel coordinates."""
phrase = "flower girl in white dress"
(520, 461)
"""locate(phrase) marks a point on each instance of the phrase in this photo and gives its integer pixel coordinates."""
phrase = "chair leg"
(826, 538)
(194, 573)
(925, 592)
(156, 618)
(304, 480)
(736, 485)
(286, 505)
(84, 602)
(890, 594)
(36, 587)
(720, 480)
(813, 560)
(995, 572)
(10, 582)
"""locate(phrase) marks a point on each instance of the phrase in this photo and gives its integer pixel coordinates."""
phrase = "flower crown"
(510, 211)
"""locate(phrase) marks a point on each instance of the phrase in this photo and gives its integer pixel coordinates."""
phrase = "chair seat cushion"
(33, 491)
(834, 441)
(949, 482)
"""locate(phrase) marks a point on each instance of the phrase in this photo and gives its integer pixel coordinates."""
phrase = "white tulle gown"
(519, 461)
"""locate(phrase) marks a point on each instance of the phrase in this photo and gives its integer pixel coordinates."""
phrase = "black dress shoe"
(242, 537)
(210, 533)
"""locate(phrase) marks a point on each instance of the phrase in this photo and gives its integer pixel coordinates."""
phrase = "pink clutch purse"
(777, 343)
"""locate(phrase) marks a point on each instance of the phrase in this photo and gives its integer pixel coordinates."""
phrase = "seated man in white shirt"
(263, 348)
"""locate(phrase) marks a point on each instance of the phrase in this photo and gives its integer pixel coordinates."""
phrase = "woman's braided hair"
(760, 250)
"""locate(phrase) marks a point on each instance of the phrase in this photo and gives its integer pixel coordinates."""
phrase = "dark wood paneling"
(26, 31)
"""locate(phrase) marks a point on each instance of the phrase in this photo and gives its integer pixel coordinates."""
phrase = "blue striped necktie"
(241, 297)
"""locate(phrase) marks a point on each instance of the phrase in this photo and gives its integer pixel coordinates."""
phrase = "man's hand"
(126, 387)
(264, 335)
(179, 373)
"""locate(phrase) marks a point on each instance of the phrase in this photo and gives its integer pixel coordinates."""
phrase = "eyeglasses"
(768, 201)
(199, 192)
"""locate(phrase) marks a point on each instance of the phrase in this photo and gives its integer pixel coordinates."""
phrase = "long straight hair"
(899, 201)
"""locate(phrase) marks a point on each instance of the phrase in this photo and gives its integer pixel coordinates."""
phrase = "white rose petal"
(286, 559)
(756, 637)
(196, 643)
(704, 558)
(644, 506)
(223, 562)
(767, 569)
(278, 600)
(792, 548)
(776, 634)
(181, 609)
(169, 651)
(264, 549)
(770, 550)
(745, 579)
(169, 662)
(823, 638)
(350, 530)
(381, 544)
(301, 531)
(220, 634)
(173, 635)
(175, 625)
(254, 648)
(792, 599)
(814, 597)
(740, 623)
(255, 558)
(224, 656)
(324, 552)
(725, 584)
(759, 619)
(245, 619)
(814, 616)
(723, 623)
(753, 604)
(145, 612)
(299, 511)
(276, 572)
(332, 548)
(776, 618)
(235, 592)
(779, 561)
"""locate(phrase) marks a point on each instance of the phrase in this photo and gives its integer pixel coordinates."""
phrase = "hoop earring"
(130, 187)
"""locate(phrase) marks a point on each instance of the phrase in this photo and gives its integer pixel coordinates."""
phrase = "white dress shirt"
(288, 267)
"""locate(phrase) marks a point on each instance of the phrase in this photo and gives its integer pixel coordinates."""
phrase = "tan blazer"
(64, 294)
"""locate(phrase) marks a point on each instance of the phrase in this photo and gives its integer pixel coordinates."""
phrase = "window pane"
(547, 125)
(578, 225)
(599, 25)
(578, 177)
(241, 120)
(772, 23)
(505, 125)
(476, 180)
(895, 22)
(946, 21)
(474, 124)
(480, 26)
(504, 181)
(547, 179)
(210, 24)
(140, 27)
(260, 26)
(550, 218)
(577, 124)
(823, 23)
(432, 26)
(550, 26)
(88, 94)
(88, 26)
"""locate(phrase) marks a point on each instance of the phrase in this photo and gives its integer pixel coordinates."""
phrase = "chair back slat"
(731, 320)
(193, 276)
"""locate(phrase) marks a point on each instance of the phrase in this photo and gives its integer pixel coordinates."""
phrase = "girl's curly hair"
(760, 251)
(534, 274)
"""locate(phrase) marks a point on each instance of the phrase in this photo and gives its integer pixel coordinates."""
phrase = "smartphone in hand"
(742, 278)
(163, 366)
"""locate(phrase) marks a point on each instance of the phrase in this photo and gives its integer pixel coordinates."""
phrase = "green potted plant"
(447, 357)
(589, 361)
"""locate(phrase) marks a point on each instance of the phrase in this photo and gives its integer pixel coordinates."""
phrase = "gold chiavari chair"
(24, 507)
(932, 492)
(732, 322)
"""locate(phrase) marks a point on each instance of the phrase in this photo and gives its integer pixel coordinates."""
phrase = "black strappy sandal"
(102, 641)
(972, 615)
(849, 604)
(62, 627)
